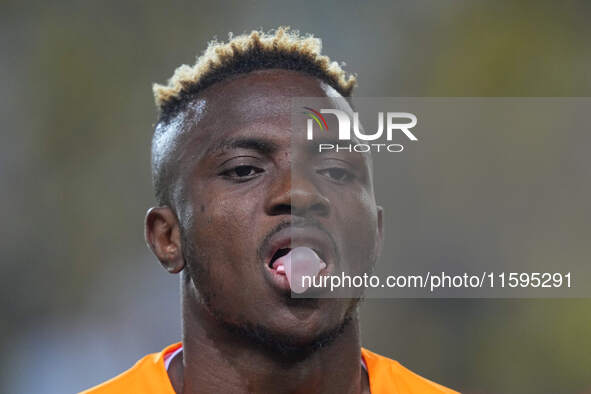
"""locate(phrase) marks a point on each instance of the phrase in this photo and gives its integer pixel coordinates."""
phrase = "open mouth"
(276, 262)
(278, 254)
(296, 253)
(295, 265)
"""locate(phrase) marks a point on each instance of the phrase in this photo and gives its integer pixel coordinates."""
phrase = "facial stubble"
(196, 274)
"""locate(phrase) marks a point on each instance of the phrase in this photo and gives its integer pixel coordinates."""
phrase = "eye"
(242, 172)
(337, 174)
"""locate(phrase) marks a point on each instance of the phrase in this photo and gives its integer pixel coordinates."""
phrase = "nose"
(295, 194)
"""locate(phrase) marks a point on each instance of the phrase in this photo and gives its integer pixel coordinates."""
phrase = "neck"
(217, 360)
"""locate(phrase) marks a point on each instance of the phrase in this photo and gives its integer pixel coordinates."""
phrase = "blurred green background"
(83, 299)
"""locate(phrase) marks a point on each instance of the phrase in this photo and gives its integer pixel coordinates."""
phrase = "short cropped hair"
(282, 48)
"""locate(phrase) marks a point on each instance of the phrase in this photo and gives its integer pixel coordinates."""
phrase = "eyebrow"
(261, 145)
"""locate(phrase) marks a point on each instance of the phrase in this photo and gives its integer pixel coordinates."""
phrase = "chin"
(296, 343)
(294, 335)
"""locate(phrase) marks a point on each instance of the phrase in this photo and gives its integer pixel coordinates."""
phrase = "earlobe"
(163, 236)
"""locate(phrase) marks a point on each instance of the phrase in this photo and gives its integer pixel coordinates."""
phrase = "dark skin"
(228, 199)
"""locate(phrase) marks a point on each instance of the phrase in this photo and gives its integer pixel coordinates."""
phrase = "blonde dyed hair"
(282, 48)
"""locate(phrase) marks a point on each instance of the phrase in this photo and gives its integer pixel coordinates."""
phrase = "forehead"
(258, 97)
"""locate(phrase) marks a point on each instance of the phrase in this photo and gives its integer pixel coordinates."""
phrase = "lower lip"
(278, 279)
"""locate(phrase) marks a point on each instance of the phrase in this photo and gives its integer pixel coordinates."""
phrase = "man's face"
(250, 187)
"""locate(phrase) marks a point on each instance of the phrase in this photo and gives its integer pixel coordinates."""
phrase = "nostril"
(281, 209)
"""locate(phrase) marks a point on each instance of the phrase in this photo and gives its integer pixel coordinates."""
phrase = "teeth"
(280, 269)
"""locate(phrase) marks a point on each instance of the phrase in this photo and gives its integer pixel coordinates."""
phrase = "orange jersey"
(149, 376)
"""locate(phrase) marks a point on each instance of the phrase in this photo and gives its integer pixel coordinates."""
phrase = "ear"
(163, 236)
(380, 229)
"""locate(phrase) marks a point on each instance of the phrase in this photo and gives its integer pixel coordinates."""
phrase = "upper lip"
(292, 237)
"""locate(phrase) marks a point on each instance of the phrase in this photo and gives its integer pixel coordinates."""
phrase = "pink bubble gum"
(302, 262)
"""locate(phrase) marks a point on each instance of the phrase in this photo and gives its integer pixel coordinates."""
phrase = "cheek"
(227, 243)
(225, 227)
(360, 232)
(225, 236)
(359, 209)
(221, 206)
